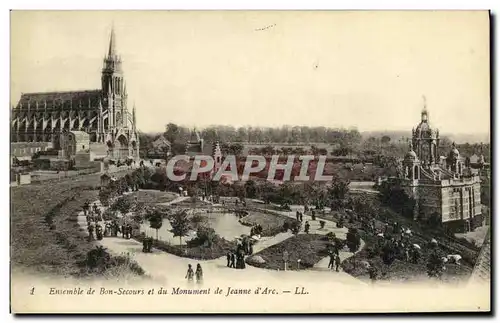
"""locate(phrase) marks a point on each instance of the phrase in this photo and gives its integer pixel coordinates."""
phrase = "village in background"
(402, 206)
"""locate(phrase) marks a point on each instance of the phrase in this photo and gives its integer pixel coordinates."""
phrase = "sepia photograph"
(221, 162)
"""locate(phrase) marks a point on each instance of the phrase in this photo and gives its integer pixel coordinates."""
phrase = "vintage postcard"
(250, 161)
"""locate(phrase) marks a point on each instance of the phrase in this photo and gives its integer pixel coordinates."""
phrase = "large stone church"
(442, 186)
(102, 113)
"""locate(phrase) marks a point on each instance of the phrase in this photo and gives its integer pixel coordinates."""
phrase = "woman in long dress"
(199, 274)
(190, 273)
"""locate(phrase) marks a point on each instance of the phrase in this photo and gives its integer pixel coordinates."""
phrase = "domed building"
(445, 191)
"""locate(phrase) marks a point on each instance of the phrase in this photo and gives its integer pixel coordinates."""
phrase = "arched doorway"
(121, 147)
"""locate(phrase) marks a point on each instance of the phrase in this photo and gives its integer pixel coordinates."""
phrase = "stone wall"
(23, 149)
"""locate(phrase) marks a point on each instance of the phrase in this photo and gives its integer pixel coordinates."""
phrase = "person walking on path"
(233, 260)
(98, 232)
(332, 260)
(199, 274)
(306, 227)
(190, 273)
(90, 228)
(228, 256)
(337, 263)
(86, 207)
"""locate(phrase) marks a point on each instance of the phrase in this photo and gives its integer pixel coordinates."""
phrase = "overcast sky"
(342, 69)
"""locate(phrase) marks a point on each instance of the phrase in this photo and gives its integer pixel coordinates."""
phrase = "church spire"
(112, 43)
(133, 117)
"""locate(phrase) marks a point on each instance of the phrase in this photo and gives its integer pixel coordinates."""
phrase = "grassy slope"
(45, 234)
(400, 270)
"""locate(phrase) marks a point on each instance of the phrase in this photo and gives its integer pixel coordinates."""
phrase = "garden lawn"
(309, 248)
(151, 197)
(193, 202)
(271, 223)
(220, 247)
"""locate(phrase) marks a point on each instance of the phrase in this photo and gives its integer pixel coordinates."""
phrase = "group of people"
(191, 274)
(236, 259)
(334, 259)
(299, 216)
(111, 228)
(397, 239)
(98, 231)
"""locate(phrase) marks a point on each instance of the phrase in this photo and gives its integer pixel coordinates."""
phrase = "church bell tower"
(113, 87)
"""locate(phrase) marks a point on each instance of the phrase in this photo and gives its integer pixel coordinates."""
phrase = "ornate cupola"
(425, 139)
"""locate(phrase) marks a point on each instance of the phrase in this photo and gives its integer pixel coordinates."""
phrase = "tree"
(339, 189)
(178, 148)
(235, 149)
(155, 218)
(139, 209)
(250, 189)
(353, 240)
(122, 205)
(171, 132)
(385, 140)
(180, 225)
(105, 195)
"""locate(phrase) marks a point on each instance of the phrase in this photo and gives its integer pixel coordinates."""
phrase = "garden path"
(169, 268)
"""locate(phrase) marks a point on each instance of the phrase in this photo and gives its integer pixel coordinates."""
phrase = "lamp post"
(285, 257)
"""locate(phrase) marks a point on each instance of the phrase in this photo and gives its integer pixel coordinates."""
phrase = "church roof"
(161, 141)
(83, 97)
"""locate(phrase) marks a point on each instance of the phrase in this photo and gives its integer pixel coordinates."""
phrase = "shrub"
(322, 224)
(389, 253)
(330, 236)
(100, 261)
(435, 265)
(296, 228)
(98, 258)
(205, 236)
